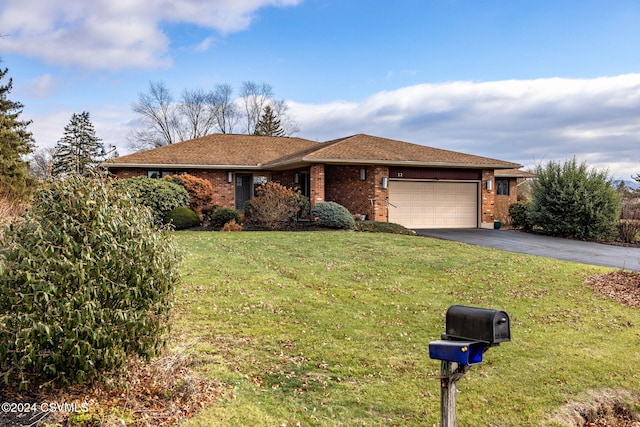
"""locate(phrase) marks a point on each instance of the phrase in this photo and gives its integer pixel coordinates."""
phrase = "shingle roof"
(217, 150)
(514, 173)
(366, 149)
(225, 150)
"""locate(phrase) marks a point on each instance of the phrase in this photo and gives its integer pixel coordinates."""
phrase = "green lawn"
(332, 329)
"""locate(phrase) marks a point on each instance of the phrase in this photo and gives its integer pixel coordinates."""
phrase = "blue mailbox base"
(462, 352)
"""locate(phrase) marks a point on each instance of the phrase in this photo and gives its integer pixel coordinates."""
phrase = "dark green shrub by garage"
(333, 215)
(519, 215)
(182, 218)
(86, 281)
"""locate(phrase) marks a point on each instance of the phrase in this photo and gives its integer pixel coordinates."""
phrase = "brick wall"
(317, 189)
(503, 202)
(344, 186)
(488, 197)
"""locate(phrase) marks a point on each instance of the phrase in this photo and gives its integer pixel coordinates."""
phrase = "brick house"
(386, 180)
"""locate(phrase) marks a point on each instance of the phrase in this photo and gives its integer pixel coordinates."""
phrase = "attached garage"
(433, 204)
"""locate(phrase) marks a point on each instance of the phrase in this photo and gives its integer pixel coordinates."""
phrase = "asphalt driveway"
(545, 246)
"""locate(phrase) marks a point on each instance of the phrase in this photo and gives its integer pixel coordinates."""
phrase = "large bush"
(200, 190)
(86, 280)
(182, 218)
(333, 215)
(275, 206)
(160, 195)
(572, 200)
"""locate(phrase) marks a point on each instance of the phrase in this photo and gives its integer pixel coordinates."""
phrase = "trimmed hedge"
(333, 215)
(86, 281)
(182, 218)
(160, 195)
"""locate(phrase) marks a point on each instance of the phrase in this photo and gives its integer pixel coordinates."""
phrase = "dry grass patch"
(620, 286)
(157, 394)
(604, 408)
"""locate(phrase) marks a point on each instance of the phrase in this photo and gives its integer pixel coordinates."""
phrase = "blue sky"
(518, 80)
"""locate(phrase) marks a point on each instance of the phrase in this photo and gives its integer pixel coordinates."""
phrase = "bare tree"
(289, 125)
(159, 117)
(224, 109)
(253, 98)
(41, 163)
(197, 118)
(199, 113)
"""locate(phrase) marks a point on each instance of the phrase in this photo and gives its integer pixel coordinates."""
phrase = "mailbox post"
(469, 333)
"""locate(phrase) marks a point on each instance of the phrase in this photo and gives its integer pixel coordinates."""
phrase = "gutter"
(397, 163)
(177, 166)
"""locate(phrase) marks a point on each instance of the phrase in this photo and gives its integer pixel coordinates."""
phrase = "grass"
(332, 329)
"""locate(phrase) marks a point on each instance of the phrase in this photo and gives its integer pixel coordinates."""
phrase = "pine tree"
(15, 142)
(269, 124)
(79, 150)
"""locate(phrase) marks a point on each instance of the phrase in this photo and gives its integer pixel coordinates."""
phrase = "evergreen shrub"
(333, 215)
(160, 195)
(572, 200)
(182, 218)
(86, 280)
(223, 215)
(519, 215)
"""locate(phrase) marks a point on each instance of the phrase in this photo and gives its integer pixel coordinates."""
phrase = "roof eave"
(416, 163)
(178, 166)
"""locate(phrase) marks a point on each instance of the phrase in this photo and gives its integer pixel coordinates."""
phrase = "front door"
(244, 191)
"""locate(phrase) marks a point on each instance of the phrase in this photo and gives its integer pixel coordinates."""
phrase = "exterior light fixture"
(296, 178)
(385, 182)
(363, 174)
(229, 177)
(489, 185)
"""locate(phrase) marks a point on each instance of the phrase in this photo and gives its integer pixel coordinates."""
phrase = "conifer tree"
(269, 124)
(79, 150)
(15, 142)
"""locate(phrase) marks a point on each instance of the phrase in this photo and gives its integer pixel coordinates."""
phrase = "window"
(162, 173)
(502, 187)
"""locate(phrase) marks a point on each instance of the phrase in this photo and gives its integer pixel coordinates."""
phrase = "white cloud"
(42, 86)
(114, 34)
(526, 121)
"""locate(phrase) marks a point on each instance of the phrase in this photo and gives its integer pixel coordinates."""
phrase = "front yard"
(332, 328)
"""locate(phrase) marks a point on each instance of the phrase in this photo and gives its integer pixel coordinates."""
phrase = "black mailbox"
(485, 325)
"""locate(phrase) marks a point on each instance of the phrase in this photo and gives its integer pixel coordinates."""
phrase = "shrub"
(160, 195)
(232, 226)
(382, 227)
(519, 215)
(333, 215)
(629, 223)
(223, 215)
(200, 190)
(571, 200)
(86, 280)
(274, 206)
(182, 217)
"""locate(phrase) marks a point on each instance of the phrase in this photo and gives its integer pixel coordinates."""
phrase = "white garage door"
(433, 204)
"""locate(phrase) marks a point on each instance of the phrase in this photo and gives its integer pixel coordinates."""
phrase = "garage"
(433, 204)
